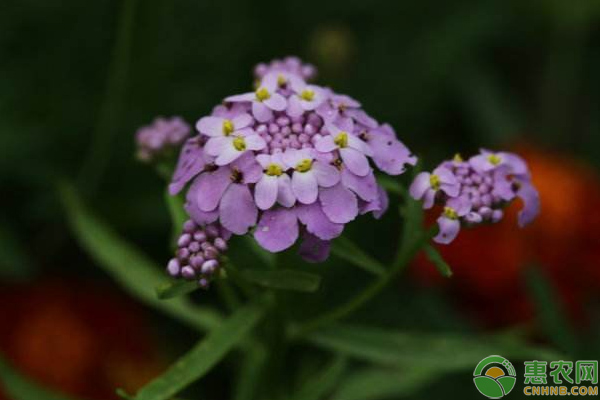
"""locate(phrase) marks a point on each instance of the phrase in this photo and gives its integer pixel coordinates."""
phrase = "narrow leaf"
(436, 258)
(19, 387)
(177, 213)
(175, 288)
(129, 267)
(378, 383)
(391, 185)
(419, 349)
(269, 259)
(345, 249)
(250, 370)
(322, 383)
(204, 356)
(283, 279)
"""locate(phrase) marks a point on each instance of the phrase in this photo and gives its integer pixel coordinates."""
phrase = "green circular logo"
(494, 377)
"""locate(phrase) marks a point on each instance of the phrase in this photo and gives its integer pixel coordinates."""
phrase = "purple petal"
(449, 228)
(294, 108)
(429, 198)
(210, 126)
(305, 187)
(384, 202)
(242, 121)
(191, 162)
(339, 204)
(255, 142)
(285, 194)
(355, 161)
(276, 102)
(247, 165)
(210, 187)
(217, 145)
(261, 112)
(317, 222)
(531, 203)
(237, 210)
(228, 154)
(389, 154)
(241, 97)
(420, 185)
(200, 217)
(325, 144)
(362, 117)
(277, 229)
(327, 175)
(314, 250)
(364, 186)
(265, 192)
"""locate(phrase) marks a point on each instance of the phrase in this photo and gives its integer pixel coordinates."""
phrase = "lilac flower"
(476, 191)
(426, 185)
(353, 151)
(289, 162)
(198, 254)
(309, 174)
(264, 100)
(163, 135)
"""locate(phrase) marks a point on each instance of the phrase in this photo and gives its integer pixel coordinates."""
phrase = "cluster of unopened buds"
(162, 136)
(288, 160)
(476, 191)
(198, 254)
(293, 160)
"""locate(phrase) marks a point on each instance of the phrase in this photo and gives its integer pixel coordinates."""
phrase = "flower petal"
(531, 203)
(364, 186)
(276, 102)
(261, 112)
(314, 250)
(277, 230)
(355, 161)
(285, 194)
(191, 162)
(209, 188)
(228, 154)
(255, 142)
(325, 144)
(242, 121)
(237, 210)
(250, 96)
(210, 126)
(339, 204)
(265, 192)
(389, 154)
(305, 187)
(327, 175)
(317, 222)
(449, 228)
(420, 185)
(294, 108)
(217, 145)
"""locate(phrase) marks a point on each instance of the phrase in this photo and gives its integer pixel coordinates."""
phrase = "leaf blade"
(283, 279)
(437, 260)
(345, 249)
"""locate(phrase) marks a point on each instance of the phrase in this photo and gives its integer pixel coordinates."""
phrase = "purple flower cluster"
(162, 136)
(198, 251)
(476, 191)
(290, 159)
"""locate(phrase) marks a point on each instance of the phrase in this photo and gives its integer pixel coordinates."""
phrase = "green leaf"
(129, 267)
(283, 279)
(420, 350)
(379, 383)
(391, 185)
(323, 382)
(550, 312)
(204, 356)
(175, 288)
(250, 370)
(345, 249)
(436, 258)
(268, 258)
(177, 213)
(18, 387)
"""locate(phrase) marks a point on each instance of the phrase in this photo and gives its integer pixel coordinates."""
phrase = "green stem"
(406, 253)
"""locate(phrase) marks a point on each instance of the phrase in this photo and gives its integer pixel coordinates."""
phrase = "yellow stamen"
(274, 170)
(239, 143)
(450, 213)
(281, 81)
(304, 165)
(494, 159)
(434, 182)
(228, 127)
(458, 158)
(307, 95)
(341, 140)
(262, 94)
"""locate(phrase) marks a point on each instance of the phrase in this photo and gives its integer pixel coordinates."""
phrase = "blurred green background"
(78, 78)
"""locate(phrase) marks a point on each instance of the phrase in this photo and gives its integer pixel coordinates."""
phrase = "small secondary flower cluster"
(154, 140)
(476, 191)
(198, 251)
(287, 160)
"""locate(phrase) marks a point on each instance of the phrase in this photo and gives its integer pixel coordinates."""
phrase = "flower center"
(227, 127)
(450, 213)
(274, 170)
(494, 159)
(304, 165)
(262, 94)
(281, 81)
(307, 95)
(458, 158)
(341, 140)
(239, 143)
(434, 182)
